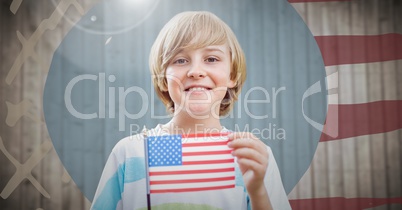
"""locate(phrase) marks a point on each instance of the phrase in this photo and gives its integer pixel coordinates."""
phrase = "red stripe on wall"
(362, 119)
(337, 50)
(339, 203)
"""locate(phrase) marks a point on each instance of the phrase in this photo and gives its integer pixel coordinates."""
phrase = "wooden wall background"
(361, 170)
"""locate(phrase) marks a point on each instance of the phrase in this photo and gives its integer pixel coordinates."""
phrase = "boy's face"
(198, 80)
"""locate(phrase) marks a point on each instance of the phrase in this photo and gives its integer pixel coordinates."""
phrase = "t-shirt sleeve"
(109, 191)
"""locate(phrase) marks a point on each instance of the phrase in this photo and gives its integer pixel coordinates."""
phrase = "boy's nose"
(196, 72)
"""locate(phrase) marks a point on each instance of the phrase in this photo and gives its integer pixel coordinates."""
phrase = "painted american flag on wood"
(361, 167)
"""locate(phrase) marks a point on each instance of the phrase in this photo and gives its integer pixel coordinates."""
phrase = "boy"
(198, 70)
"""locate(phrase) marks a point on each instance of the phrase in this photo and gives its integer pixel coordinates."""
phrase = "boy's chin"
(199, 111)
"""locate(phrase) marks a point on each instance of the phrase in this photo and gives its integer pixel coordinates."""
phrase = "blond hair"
(195, 30)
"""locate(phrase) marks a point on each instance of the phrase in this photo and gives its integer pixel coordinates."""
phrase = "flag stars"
(165, 150)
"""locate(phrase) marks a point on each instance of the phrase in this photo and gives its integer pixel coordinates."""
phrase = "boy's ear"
(232, 83)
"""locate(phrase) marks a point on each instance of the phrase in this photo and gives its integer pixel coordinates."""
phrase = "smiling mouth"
(197, 89)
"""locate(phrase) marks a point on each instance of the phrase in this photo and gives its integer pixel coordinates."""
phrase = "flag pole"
(145, 135)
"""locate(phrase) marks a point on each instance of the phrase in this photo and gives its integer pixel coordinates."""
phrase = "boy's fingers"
(239, 143)
(254, 166)
(250, 154)
(246, 137)
(247, 143)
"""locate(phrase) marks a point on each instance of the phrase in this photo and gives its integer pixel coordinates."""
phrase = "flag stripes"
(352, 80)
(181, 181)
(206, 163)
(360, 42)
(337, 50)
(193, 189)
(363, 119)
(207, 153)
(183, 177)
(174, 172)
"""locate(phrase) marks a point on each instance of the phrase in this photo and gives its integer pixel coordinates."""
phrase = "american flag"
(186, 163)
(358, 168)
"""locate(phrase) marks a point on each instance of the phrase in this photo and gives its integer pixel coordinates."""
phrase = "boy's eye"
(180, 61)
(211, 59)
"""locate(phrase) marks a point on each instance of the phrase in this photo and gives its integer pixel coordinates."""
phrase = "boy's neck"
(185, 124)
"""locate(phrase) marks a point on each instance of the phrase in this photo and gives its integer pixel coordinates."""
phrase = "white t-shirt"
(123, 185)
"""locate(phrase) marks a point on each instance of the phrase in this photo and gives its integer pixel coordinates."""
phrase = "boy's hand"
(252, 157)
